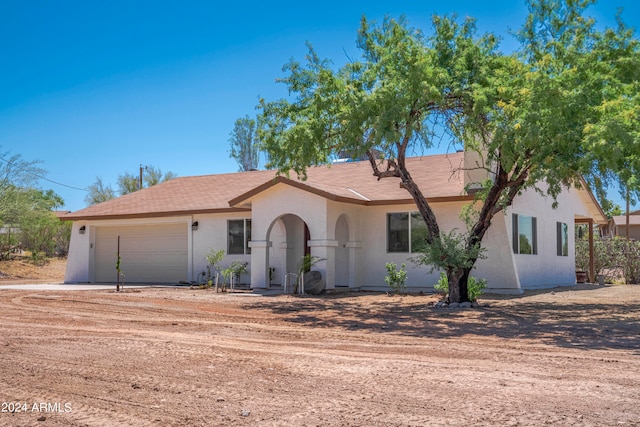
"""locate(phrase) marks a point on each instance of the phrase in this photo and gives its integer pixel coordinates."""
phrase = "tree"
(244, 144)
(26, 211)
(127, 183)
(41, 232)
(15, 174)
(99, 192)
(154, 176)
(537, 119)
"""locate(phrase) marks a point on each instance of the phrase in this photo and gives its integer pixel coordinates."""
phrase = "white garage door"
(148, 254)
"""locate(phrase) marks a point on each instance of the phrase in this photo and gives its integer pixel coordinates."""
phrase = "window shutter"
(559, 238)
(514, 232)
(534, 231)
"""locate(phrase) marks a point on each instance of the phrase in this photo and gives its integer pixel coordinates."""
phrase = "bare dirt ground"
(21, 269)
(182, 357)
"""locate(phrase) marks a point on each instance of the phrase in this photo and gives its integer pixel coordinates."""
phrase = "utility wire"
(41, 177)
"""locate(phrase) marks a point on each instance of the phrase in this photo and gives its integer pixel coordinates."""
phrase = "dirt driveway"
(195, 358)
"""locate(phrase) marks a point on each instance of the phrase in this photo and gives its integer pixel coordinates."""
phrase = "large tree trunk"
(458, 277)
(458, 289)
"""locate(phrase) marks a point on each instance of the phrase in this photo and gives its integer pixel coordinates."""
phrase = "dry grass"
(22, 268)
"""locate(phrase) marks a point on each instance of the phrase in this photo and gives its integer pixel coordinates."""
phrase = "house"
(617, 226)
(341, 213)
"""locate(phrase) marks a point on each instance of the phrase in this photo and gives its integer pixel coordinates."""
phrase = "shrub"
(214, 257)
(442, 285)
(396, 278)
(475, 287)
(618, 256)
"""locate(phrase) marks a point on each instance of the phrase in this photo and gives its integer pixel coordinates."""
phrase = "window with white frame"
(562, 238)
(525, 239)
(239, 235)
(406, 232)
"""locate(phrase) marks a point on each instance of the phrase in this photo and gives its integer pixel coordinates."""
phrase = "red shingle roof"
(437, 177)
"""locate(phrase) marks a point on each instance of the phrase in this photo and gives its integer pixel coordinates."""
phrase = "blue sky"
(95, 88)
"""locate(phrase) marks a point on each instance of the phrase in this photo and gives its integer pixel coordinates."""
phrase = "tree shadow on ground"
(584, 326)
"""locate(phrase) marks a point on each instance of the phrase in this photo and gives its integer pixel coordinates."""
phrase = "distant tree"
(26, 211)
(99, 192)
(613, 210)
(15, 175)
(244, 144)
(14, 171)
(127, 183)
(153, 176)
(41, 232)
(564, 107)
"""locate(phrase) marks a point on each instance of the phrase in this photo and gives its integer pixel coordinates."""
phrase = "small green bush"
(396, 278)
(475, 287)
(442, 285)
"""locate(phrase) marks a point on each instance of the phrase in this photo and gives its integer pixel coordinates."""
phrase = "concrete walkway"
(65, 286)
(25, 286)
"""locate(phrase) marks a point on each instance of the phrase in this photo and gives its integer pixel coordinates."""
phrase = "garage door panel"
(151, 254)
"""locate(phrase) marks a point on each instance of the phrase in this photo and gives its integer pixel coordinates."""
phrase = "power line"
(41, 177)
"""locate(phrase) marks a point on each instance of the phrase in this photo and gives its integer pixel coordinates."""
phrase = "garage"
(148, 253)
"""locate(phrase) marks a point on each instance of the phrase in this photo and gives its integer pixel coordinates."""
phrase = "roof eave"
(152, 214)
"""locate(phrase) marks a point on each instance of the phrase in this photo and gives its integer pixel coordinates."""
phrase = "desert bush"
(617, 254)
(629, 260)
(396, 278)
(475, 287)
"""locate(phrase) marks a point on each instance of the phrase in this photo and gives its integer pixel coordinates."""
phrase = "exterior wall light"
(82, 229)
(194, 226)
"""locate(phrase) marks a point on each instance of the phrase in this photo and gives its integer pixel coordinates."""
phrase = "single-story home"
(617, 226)
(340, 213)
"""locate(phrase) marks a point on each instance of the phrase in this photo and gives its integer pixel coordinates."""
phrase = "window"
(239, 235)
(562, 237)
(406, 232)
(525, 240)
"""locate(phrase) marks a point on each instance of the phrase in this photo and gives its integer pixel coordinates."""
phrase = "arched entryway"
(342, 253)
(287, 237)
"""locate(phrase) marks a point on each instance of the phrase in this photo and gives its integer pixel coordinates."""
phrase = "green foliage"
(235, 270)
(26, 211)
(16, 172)
(214, 257)
(450, 251)
(630, 262)
(395, 278)
(41, 232)
(99, 192)
(245, 149)
(306, 262)
(127, 183)
(118, 263)
(611, 257)
(304, 265)
(475, 287)
(442, 285)
(566, 105)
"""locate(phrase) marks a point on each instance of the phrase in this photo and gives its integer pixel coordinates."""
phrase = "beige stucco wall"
(547, 269)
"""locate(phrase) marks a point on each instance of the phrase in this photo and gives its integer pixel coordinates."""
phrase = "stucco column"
(325, 249)
(354, 277)
(259, 262)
